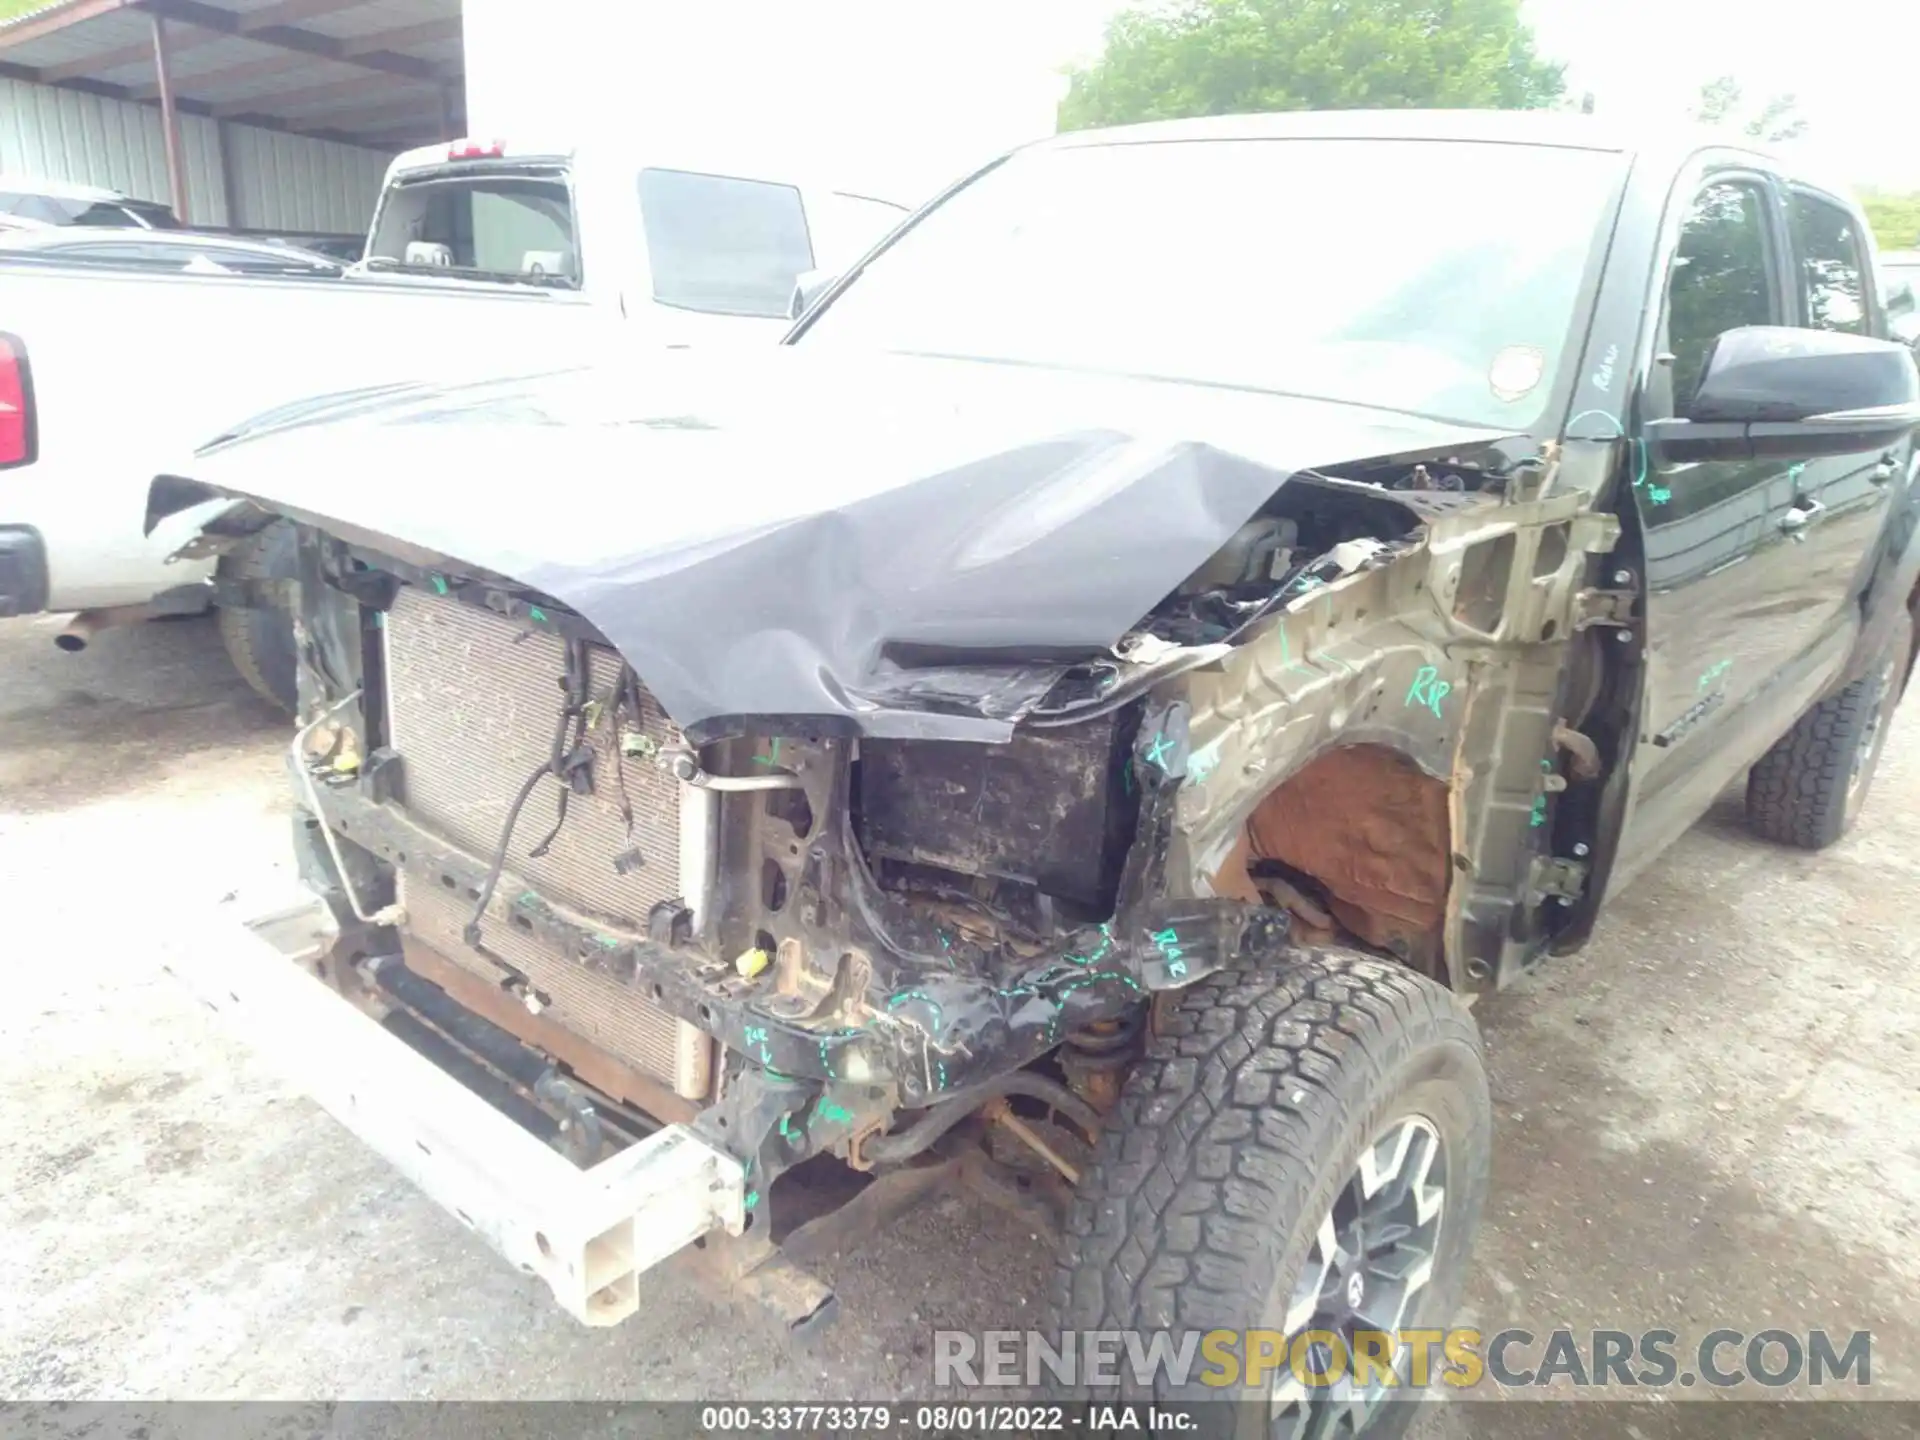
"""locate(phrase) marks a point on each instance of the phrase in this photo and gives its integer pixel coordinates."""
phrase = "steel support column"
(170, 122)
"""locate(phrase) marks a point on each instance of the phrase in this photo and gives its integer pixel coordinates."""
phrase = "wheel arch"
(1370, 824)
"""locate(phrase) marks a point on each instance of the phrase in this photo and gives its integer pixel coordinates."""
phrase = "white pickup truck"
(479, 253)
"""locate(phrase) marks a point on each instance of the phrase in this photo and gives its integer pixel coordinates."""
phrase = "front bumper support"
(589, 1234)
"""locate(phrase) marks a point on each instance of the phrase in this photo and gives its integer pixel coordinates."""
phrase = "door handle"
(1803, 514)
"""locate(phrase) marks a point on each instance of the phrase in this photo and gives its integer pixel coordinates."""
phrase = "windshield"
(1436, 277)
(58, 248)
(120, 214)
(499, 227)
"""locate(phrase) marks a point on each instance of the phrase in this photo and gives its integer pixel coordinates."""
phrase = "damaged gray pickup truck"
(1188, 612)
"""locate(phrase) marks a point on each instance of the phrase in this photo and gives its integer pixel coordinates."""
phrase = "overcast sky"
(1850, 62)
(904, 96)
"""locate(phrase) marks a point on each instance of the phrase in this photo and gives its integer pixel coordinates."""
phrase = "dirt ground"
(1706, 1119)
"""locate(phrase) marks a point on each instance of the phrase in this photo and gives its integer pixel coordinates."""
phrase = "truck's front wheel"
(259, 639)
(1302, 1149)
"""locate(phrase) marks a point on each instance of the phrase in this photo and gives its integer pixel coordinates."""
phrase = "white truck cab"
(483, 258)
(675, 239)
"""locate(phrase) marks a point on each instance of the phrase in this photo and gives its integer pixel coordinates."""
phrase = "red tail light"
(476, 149)
(16, 404)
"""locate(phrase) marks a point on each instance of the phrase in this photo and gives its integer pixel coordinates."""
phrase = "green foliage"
(1895, 219)
(1721, 101)
(1719, 98)
(1223, 57)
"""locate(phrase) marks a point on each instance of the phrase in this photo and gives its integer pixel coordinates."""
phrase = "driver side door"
(1730, 615)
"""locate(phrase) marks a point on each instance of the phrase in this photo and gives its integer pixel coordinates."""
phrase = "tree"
(1221, 57)
(1720, 104)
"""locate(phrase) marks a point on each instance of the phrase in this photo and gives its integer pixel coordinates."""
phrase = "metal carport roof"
(378, 73)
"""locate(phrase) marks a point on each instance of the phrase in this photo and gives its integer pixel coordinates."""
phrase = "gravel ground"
(1705, 1119)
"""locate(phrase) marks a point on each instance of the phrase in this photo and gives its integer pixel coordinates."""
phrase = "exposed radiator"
(473, 699)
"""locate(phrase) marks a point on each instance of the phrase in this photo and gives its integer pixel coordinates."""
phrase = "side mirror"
(1790, 394)
(811, 285)
(1900, 299)
(1903, 311)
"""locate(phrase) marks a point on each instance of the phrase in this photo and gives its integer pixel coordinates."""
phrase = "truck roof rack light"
(476, 149)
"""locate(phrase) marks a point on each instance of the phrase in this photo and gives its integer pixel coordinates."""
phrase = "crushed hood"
(909, 542)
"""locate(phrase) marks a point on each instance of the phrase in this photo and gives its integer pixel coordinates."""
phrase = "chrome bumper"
(588, 1233)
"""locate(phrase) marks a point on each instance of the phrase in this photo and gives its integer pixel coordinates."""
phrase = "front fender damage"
(1396, 736)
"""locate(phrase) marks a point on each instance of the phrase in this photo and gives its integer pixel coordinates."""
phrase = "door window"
(722, 244)
(1832, 268)
(1721, 279)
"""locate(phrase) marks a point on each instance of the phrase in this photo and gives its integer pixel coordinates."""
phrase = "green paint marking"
(1659, 494)
(772, 757)
(534, 612)
(1158, 751)
(1099, 953)
(439, 585)
(1168, 941)
(1428, 690)
(786, 1127)
(1539, 812)
(1713, 673)
(753, 1199)
(934, 1005)
(833, 1114)
(1201, 764)
(757, 1035)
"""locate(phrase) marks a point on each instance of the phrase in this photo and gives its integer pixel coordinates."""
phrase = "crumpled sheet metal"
(908, 545)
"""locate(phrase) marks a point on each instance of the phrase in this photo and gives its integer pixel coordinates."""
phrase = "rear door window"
(723, 245)
(1832, 265)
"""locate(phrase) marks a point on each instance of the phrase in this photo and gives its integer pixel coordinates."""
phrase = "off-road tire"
(260, 641)
(1250, 1109)
(1803, 791)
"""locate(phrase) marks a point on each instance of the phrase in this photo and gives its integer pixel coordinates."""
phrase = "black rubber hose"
(941, 1118)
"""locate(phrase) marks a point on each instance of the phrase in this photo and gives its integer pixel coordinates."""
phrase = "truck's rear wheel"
(1303, 1148)
(259, 640)
(1808, 789)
